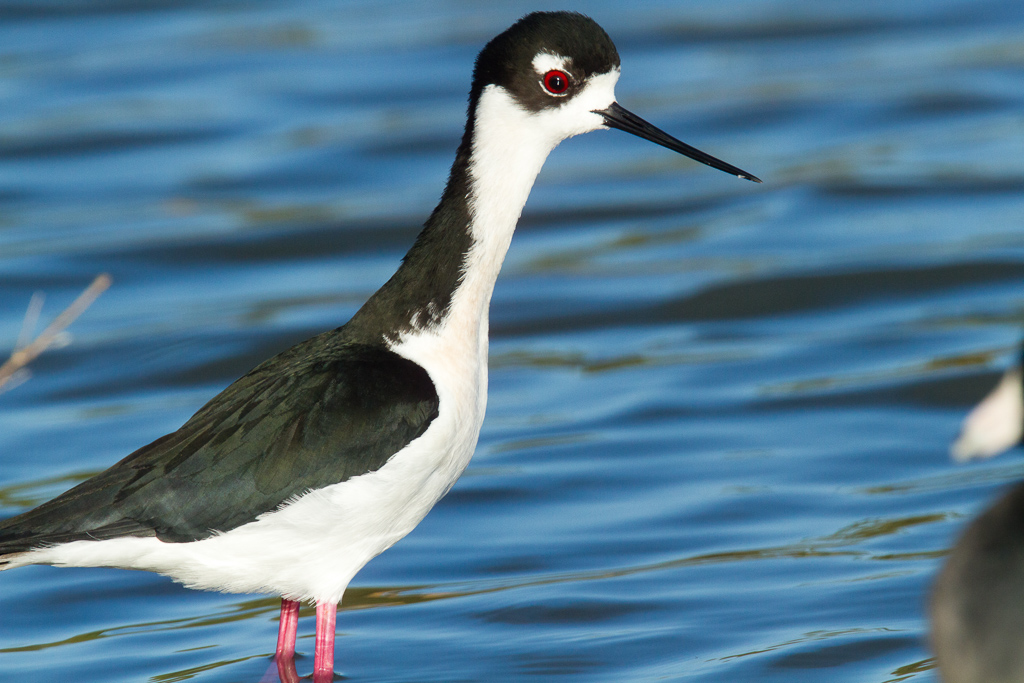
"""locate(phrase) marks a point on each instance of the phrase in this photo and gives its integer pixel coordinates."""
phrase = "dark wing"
(298, 422)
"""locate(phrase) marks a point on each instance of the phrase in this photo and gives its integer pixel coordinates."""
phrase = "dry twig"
(24, 355)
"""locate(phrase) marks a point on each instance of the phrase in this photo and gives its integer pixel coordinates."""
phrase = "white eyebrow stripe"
(544, 62)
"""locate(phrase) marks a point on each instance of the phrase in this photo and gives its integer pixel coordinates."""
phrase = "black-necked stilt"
(977, 604)
(295, 476)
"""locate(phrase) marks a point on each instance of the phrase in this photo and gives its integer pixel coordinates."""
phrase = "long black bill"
(623, 119)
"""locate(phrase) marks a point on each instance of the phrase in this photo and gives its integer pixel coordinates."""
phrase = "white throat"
(510, 145)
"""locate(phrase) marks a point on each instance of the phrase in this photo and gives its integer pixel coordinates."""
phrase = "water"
(716, 444)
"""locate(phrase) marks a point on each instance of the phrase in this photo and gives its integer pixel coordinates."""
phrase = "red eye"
(556, 82)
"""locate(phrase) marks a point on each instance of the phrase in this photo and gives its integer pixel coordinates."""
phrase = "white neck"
(508, 152)
(508, 148)
(510, 145)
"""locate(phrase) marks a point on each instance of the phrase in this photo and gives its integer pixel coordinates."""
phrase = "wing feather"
(298, 422)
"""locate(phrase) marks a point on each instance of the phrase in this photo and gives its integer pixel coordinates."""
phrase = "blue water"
(716, 443)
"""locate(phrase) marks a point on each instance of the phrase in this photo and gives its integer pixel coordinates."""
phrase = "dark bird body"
(977, 603)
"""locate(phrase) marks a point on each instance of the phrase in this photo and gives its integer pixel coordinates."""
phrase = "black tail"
(18, 535)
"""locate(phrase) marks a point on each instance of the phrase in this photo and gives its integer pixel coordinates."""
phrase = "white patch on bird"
(544, 62)
(312, 546)
(995, 424)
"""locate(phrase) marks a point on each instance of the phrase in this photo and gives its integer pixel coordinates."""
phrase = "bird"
(300, 472)
(977, 601)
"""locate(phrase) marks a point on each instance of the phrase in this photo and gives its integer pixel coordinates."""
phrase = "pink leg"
(287, 629)
(285, 656)
(323, 661)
